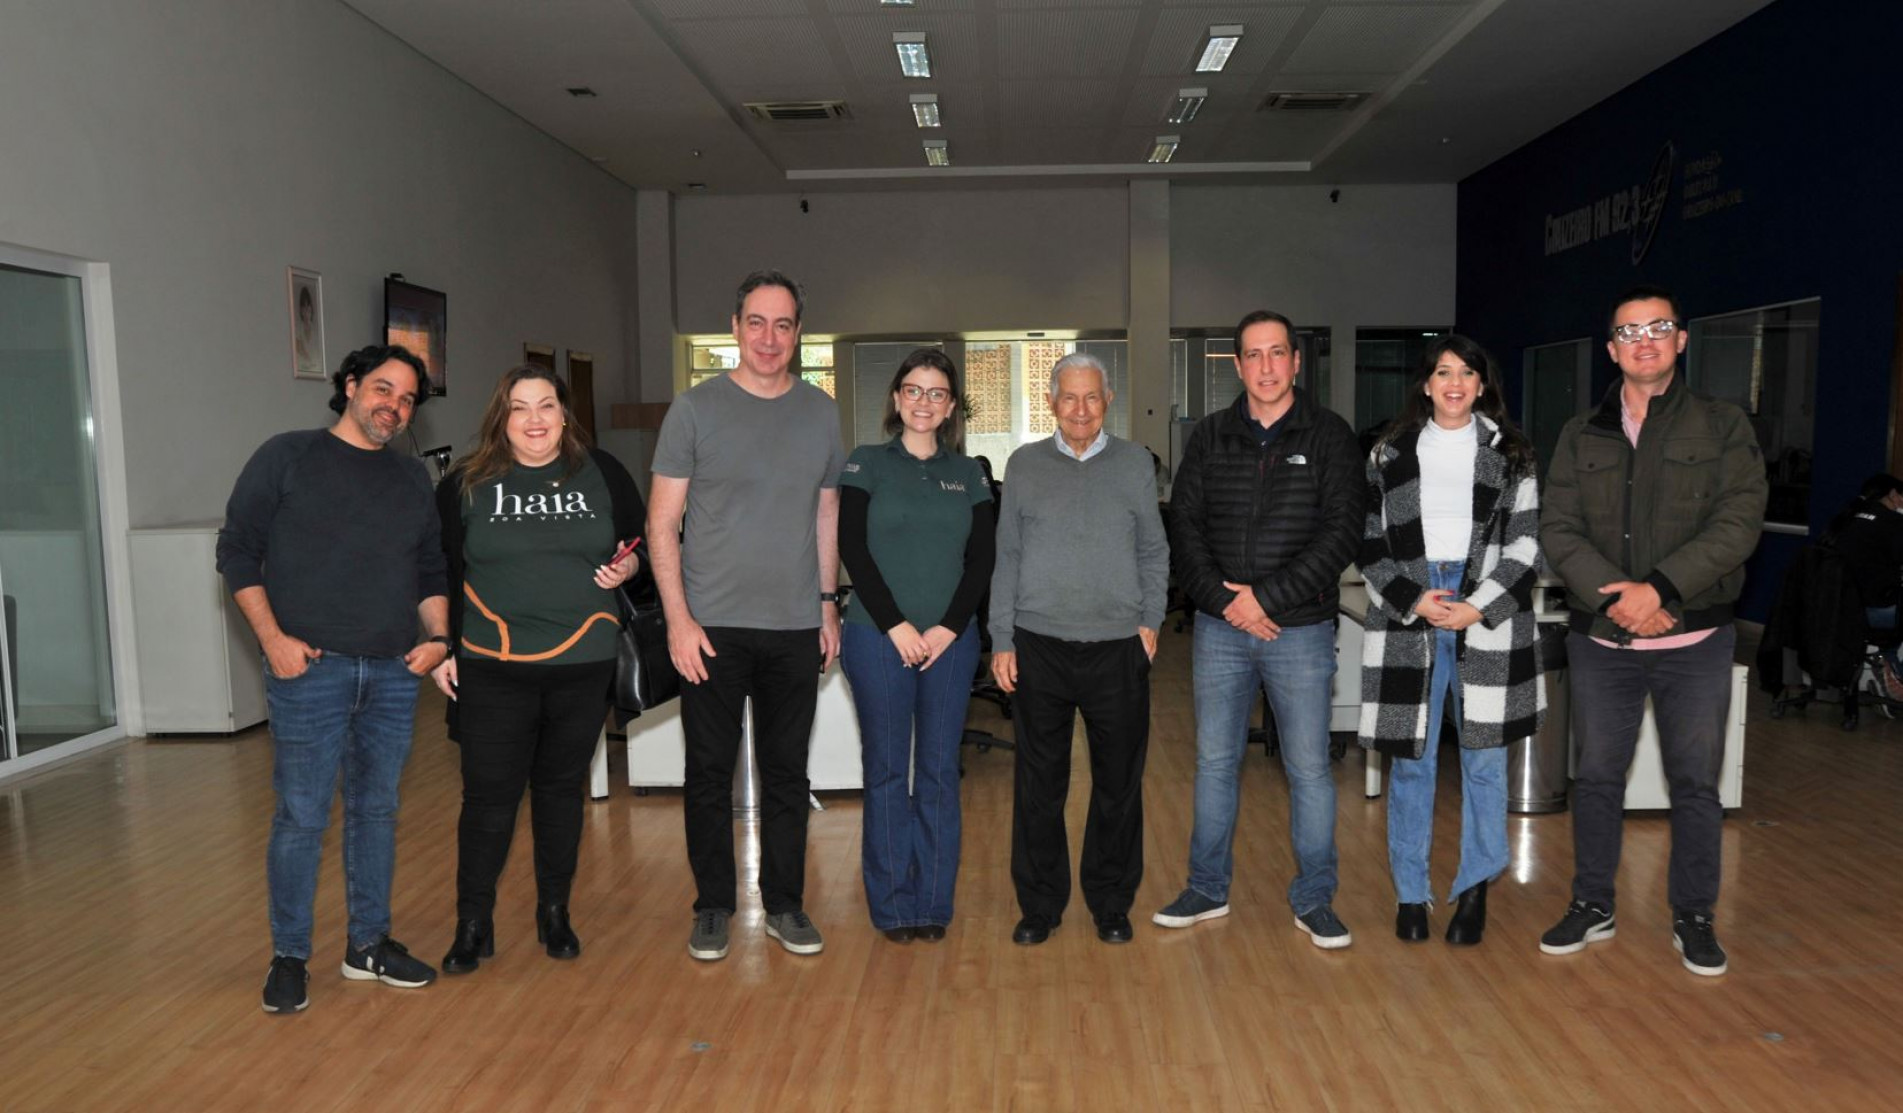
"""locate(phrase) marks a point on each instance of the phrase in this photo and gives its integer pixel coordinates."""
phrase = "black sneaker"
(1697, 944)
(389, 962)
(1324, 928)
(287, 986)
(1190, 908)
(1583, 923)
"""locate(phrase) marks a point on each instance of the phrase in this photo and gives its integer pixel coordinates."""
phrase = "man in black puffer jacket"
(1265, 513)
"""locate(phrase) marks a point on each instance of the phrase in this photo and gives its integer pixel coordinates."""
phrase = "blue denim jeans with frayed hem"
(910, 722)
(348, 715)
(1411, 783)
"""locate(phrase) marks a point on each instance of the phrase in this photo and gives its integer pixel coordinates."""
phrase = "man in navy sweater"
(331, 548)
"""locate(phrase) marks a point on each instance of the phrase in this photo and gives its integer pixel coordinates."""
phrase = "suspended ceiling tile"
(734, 52)
(1377, 37)
(1064, 44)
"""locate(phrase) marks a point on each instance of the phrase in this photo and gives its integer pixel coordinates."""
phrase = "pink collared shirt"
(1631, 425)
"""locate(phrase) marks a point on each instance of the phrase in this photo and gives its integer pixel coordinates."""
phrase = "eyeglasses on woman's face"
(936, 395)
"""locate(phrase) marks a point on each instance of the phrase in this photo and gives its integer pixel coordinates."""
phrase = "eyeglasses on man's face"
(937, 395)
(1658, 330)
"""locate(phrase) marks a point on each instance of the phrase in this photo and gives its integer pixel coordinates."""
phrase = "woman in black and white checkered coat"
(1450, 553)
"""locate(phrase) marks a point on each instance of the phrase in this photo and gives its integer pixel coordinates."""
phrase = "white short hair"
(1074, 361)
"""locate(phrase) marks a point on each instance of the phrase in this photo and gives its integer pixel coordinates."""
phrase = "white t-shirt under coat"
(1447, 488)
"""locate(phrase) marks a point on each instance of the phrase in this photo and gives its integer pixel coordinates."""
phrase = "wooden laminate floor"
(133, 944)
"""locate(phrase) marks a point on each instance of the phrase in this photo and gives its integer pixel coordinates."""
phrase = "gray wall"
(201, 146)
(1381, 256)
(1060, 258)
(913, 262)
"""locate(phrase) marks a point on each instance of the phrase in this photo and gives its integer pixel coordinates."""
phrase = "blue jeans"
(1483, 783)
(909, 849)
(1295, 669)
(350, 713)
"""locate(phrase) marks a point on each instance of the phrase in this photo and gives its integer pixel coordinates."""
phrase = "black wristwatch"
(829, 597)
(442, 640)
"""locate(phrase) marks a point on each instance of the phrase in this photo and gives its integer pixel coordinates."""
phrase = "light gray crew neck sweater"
(1082, 554)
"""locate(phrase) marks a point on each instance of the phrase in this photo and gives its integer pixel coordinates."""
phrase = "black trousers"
(533, 726)
(1109, 682)
(779, 671)
(1691, 700)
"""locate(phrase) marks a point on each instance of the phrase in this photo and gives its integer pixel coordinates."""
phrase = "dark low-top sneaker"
(708, 942)
(1190, 908)
(1583, 923)
(389, 962)
(1324, 928)
(796, 933)
(1697, 944)
(287, 986)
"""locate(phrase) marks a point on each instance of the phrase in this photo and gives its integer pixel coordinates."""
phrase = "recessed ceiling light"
(1165, 148)
(697, 187)
(1188, 102)
(925, 110)
(580, 91)
(898, 3)
(913, 59)
(937, 153)
(1217, 48)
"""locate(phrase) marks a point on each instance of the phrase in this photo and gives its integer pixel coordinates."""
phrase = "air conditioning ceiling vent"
(786, 111)
(1312, 102)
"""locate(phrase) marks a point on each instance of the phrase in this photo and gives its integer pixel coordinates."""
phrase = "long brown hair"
(492, 457)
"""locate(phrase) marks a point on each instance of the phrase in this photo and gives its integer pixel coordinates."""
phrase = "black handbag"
(645, 677)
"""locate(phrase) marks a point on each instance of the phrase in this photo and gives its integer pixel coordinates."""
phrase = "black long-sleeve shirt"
(344, 541)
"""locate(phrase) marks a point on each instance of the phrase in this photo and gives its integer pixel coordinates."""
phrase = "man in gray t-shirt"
(751, 461)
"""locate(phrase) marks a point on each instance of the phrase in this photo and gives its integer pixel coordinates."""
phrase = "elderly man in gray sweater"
(1076, 600)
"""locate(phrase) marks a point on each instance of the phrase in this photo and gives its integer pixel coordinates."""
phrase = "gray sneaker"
(796, 933)
(1324, 928)
(1190, 908)
(709, 941)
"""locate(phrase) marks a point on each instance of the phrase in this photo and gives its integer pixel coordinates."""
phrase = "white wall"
(199, 147)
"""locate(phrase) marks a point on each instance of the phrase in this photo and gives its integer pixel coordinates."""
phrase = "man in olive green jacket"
(1653, 503)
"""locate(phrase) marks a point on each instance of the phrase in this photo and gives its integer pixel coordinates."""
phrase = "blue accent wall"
(1787, 184)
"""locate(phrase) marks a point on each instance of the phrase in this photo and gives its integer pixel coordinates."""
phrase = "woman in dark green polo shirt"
(915, 532)
(532, 519)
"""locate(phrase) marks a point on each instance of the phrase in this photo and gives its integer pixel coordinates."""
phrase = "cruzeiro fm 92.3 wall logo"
(1651, 202)
(1638, 209)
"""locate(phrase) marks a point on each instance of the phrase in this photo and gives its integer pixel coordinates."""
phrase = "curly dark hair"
(365, 360)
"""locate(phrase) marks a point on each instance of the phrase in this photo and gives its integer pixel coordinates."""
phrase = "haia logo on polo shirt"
(541, 505)
(952, 485)
(851, 468)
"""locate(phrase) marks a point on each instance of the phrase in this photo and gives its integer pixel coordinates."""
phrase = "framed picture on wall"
(307, 324)
(418, 319)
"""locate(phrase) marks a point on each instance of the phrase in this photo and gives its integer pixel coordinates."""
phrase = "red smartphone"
(622, 553)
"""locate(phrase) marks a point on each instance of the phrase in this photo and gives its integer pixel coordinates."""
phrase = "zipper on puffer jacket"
(1262, 464)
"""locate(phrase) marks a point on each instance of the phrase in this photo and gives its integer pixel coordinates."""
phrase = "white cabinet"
(199, 667)
(657, 752)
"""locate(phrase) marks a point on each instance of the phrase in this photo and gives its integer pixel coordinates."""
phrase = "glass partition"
(1765, 360)
(57, 675)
